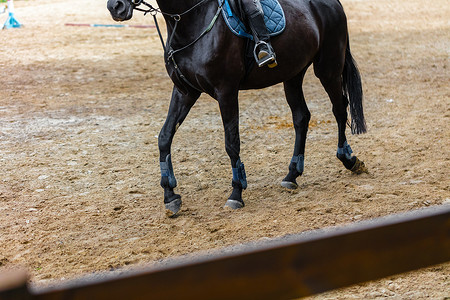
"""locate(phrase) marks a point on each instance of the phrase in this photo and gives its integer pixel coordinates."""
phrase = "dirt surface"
(81, 108)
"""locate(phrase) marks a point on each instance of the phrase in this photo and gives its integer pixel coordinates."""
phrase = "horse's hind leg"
(180, 106)
(331, 80)
(300, 117)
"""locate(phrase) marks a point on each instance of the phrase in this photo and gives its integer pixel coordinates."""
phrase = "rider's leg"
(264, 53)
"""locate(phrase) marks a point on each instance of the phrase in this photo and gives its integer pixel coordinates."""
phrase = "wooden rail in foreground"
(304, 265)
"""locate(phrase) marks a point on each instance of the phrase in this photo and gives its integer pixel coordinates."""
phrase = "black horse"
(203, 55)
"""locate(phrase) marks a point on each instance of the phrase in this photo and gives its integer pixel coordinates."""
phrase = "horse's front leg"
(229, 110)
(180, 106)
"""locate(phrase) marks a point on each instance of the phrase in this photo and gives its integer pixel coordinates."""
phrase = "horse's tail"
(351, 84)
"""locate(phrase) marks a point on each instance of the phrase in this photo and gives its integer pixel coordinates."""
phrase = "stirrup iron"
(265, 57)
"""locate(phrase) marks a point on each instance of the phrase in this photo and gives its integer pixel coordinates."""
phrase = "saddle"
(234, 17)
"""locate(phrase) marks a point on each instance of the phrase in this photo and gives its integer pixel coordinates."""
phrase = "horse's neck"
(192, 23)
(176, 6)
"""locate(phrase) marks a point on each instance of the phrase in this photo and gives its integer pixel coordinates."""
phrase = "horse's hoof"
(359, 167)
(234, 204)
(289, 185)
(173, 207)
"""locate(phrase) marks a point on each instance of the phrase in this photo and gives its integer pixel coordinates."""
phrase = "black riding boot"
(264, 54)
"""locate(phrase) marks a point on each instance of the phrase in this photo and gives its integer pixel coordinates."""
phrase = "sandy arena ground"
(81, 108)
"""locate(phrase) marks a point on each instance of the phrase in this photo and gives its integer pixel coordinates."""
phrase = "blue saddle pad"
(273, 17)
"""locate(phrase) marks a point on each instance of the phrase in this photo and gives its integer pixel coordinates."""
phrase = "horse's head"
(122, 10)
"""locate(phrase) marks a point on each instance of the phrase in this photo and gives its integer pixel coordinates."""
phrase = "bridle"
(152, 10)
(177, 18)
(169, 51)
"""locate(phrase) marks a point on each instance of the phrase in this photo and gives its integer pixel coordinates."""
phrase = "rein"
(177, 18)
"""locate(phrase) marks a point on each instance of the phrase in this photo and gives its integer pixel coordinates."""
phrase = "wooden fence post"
(303, 265)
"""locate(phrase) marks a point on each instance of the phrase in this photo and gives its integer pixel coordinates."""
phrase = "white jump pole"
(11, 21)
